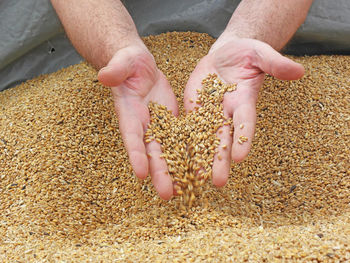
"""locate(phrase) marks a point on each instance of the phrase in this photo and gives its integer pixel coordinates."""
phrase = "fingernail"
(104, 69)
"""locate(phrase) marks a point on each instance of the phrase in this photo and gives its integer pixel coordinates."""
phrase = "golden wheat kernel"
(191, 100)
(241, 126)
(184, 180)
(179, 192)
(162, 156)
(224, 146)
(177, 187)
(243, 138)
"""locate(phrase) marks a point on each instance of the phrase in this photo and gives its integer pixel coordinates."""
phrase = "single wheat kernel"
(243, 138)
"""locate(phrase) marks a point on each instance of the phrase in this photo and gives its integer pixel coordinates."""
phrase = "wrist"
(133, 60)
(133, 43)
(135, 51)
(222, 40)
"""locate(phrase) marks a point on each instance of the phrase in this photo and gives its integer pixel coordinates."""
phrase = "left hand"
(243, 61)
(135, 80)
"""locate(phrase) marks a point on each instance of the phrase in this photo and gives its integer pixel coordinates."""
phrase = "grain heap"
(190, 142)
(67, 193)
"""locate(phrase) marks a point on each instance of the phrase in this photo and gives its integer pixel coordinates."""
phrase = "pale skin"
(105, 35)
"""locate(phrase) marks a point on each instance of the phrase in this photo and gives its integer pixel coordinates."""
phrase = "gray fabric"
(32, 42)
(205, 16)
(47, 57)
(325, 31)
(25, 24)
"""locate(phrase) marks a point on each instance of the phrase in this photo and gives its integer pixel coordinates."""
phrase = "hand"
(135, 80)
(245, 62)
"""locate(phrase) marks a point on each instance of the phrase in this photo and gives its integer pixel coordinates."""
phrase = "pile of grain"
(67, 192)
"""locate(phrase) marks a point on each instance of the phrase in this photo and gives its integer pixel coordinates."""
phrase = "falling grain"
(193, 134)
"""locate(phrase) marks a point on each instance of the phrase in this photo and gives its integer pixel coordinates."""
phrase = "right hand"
(243, 61)
(135, 80)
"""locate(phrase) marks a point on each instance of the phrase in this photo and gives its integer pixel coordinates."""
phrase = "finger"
(273, 63)
(194, 83)
(190, 94)
(132, 132)
(159, 171)
(118, 69)
(222, 160)
(168, 97)
(244, 120)
(137, 154)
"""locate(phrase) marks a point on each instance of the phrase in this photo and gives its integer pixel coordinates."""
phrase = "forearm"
(271, 21)
(97, 29)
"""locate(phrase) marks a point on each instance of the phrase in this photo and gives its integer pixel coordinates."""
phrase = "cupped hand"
(245, 62)
(135, 80)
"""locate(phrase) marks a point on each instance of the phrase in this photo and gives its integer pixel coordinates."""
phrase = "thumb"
(117, 70)
(273, 63)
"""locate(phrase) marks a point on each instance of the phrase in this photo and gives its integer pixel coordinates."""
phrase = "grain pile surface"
(67, 192)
